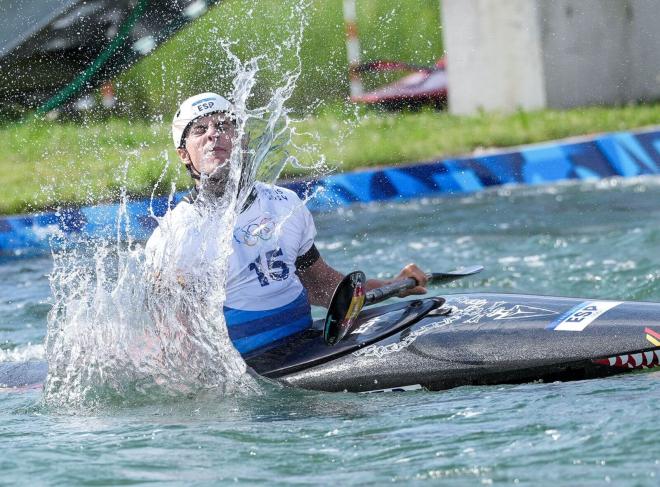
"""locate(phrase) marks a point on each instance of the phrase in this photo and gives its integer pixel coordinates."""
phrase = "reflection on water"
(591, 430)
(595, 239)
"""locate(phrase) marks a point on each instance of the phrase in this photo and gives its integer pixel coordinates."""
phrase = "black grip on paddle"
(389, 290)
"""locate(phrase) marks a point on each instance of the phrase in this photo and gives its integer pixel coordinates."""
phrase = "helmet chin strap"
(194, 173)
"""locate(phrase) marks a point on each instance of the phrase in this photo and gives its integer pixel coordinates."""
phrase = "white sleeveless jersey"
(265, 299)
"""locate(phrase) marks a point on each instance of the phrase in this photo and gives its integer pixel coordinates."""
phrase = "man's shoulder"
(182, 208)
(179, 214)
(177, 219)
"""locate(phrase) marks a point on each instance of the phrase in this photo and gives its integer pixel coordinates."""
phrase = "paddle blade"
(447, 277)
(345, 306)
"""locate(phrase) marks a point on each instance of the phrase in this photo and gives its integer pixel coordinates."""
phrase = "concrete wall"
(510, 54)
(494, 55)
(645, 58)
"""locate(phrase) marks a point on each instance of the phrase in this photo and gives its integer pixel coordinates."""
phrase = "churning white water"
(127, 329)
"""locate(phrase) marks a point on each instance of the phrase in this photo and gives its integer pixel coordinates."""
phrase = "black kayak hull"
(480, 339)
(463, 339)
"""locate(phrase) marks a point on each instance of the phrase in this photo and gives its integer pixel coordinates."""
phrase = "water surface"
(596, 240)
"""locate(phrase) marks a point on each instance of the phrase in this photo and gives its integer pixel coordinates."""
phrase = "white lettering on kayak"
(582, 315)
(466, 310)
(519, 311)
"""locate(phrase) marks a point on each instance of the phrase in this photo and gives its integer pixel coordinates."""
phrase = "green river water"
(596, 240)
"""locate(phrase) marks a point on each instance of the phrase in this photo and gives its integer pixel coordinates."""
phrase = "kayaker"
(275, 270)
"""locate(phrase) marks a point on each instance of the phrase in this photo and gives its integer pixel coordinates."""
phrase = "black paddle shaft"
(394, 288)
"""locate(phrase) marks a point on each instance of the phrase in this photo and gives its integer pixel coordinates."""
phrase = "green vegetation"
(47, 165)
(69, 163)
(193, 60)
(390, 139)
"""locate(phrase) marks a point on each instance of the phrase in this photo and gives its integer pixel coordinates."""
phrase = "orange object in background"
(108, 98)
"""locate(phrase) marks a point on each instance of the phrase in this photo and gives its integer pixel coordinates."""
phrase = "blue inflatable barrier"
(618, 154)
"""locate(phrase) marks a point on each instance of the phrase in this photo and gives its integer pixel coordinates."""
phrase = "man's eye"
(199, 129)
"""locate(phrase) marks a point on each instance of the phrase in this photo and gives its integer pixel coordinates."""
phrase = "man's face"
(208, 145)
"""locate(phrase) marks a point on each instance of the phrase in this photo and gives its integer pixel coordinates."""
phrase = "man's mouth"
(218, 153)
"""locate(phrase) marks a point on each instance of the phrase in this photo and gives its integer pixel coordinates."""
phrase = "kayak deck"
(476, 339)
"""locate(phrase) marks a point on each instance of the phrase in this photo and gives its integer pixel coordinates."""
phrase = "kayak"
(473, 339)
(460, 339)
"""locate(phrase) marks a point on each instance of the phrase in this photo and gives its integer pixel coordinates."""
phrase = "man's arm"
(320, 281)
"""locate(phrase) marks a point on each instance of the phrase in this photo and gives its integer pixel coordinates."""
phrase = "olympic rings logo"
(253, 232)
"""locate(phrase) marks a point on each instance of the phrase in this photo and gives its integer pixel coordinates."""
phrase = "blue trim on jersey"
(250, 330)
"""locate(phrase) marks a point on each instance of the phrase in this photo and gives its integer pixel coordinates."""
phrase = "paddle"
(349, 298)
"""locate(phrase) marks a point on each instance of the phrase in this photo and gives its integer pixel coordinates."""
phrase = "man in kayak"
(275, 270)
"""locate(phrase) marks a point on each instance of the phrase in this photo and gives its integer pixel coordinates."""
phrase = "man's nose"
(212, 132)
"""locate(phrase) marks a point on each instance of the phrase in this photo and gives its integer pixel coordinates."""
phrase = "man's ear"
(183, 155)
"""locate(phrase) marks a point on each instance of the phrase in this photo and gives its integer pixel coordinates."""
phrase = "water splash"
(23, 353)
(128, 328)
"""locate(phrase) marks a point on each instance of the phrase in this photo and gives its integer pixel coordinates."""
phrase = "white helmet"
(194, 107)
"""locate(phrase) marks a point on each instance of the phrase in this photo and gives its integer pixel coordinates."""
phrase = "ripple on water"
(597, 240)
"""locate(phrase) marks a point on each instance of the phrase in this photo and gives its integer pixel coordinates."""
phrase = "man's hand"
(411, 270)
